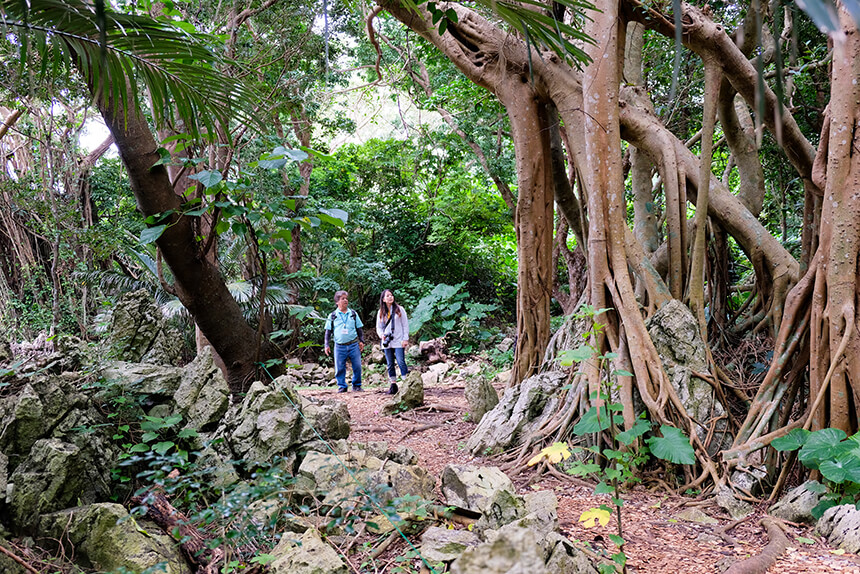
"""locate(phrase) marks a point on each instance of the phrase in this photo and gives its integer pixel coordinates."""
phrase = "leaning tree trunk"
(198, 283)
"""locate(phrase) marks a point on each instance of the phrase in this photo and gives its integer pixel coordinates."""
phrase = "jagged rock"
(797, 505)
(7, 565)
(430, 378)
(481, 396)
(564, 557)
(444, 545)
(537, 512)
(675, 334)
(503, 377)
(329, 417)
(841, 526)
(505, 345)
(56, 475)
(203, 394)
(4, 475)
(267, 423)
(106, 538)
(470, 370)
(736, 508)
(307, 554)
(516, 551)
(159, 381)
(410, 394)
(750, 479)
(441, 369)
(542, 506)
(520, 409)
(503, 508)
(473, 487)
(339, 478)
(139, 331)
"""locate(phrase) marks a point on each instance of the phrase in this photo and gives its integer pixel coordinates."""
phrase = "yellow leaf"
(839, 552)
(555, 453)
(589, 516)
(535, 459)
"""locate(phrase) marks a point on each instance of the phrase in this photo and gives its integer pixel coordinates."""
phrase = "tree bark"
(198, 283)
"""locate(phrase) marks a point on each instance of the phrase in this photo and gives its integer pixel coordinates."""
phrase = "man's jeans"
(390, 354)
(341, 354)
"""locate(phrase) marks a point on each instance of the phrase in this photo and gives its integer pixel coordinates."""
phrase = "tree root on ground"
(760, 563)
(172, 521)
(19, 560)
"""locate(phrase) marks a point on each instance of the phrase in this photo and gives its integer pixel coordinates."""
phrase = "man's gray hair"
(340, 295)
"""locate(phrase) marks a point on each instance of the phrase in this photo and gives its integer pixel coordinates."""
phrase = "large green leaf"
(673, 446)
(596, 419)
(842, 469)
(792, 441)
(824, 444)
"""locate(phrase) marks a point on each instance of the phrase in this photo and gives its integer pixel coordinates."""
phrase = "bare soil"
(658, 540)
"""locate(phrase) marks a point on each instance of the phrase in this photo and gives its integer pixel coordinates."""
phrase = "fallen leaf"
(589, 516)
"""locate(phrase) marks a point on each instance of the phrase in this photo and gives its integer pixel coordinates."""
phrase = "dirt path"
(658, 541)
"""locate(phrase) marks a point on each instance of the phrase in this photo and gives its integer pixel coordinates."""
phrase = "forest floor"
(659, 540)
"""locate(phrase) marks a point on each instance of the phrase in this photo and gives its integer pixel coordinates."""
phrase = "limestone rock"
(473, 487)
(267, 423)
(505, 345)
(797, 505)
(481, 396)
(675, 334)
(329, 417)
(106, 538)
(56, 475)
(441, 369)
(520, 409)
(7, 565)
(410, 394)
(161, 382)
(444, 545)
(513, 552)
(307, 554)
(503, 508)
(340, 478)
(430, 378)
(564, 557)
(139, 332)
(841, 526)
(736, 508)
(4, 475)
(203, 395)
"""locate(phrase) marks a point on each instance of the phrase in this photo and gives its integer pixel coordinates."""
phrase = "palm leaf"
(529, 18)
(115, 51)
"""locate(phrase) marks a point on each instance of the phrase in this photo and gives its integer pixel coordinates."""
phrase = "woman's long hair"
(383, 306)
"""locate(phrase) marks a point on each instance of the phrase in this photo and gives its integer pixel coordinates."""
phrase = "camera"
(386, 340)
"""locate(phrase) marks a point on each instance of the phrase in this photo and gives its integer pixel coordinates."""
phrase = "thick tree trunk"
(198, 283)
(472, 44)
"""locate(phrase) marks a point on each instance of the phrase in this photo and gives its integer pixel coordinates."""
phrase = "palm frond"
(529, 18)
(115, 51)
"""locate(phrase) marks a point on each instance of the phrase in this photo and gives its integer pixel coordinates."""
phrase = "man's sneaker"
(357, 389)
(343, 390)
